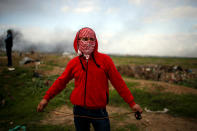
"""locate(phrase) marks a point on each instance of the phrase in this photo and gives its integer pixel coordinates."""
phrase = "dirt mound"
(150, 121)
(172, 74)
(152, 86)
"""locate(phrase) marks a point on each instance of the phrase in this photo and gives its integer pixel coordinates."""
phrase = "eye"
(92, 39)
(85, 39)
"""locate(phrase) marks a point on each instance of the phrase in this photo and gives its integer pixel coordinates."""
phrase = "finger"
(134, 109)
(40, 108)
(140, 111)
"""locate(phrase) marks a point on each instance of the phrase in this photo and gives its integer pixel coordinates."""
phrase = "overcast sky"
(135, 27)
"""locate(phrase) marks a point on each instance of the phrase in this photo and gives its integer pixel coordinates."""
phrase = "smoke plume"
(24, 45)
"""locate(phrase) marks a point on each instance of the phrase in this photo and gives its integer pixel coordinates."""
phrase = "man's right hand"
(43, 103)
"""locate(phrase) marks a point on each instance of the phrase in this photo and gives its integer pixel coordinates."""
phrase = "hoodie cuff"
(46, 97)
(132, 104)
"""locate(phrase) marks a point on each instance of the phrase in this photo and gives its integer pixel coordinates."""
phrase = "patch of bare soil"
(152, 86)
(149, 121)
(60, 116)
(55, 71)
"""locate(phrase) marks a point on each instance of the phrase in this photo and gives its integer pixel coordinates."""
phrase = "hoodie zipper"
(86, 84)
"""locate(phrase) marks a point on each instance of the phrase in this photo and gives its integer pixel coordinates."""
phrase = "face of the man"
(86, 41)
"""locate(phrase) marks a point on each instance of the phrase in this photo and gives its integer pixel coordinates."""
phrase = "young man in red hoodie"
(91, 71)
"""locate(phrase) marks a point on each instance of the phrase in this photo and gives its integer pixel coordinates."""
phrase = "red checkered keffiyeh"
(86, 47)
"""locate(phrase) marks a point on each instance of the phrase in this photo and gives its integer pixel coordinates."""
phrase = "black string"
(82, 64)
(95, 61)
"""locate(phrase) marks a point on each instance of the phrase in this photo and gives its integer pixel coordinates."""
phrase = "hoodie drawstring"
(82, 64)
(93, 60)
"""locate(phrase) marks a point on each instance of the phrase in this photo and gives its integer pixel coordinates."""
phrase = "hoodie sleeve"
(60, 83)
(119, 84)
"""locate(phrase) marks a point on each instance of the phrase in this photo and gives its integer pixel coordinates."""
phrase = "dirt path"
(162, 86)
(150, 121)
(59, 116)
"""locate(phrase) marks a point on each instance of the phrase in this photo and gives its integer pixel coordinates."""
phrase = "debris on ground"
(18, 128)
(11, 68)
(37, 63)
(26, 60)
(165, 110)
(171, 74)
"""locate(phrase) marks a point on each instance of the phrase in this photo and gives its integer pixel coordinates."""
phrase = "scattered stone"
(11, 123)
(37, 63)
(172, 74)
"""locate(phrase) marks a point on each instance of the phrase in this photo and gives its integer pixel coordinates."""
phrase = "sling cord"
(137, 115)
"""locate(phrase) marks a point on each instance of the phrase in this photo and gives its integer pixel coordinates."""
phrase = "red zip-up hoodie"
(91, 80)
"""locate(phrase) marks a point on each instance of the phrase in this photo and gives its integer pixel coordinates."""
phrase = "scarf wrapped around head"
(86, 47)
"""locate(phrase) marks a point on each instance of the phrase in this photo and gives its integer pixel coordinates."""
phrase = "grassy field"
(21, 92)
(189, 63)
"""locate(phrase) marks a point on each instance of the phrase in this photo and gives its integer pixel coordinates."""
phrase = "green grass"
(178, 105)
(55, 60)
(22, 95)
(189, 83)
(46, 68)
(184, 62)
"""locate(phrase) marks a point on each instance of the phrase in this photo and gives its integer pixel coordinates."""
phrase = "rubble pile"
(172, 74)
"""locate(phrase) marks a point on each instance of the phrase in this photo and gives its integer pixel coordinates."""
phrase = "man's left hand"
(136, 108)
